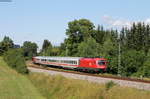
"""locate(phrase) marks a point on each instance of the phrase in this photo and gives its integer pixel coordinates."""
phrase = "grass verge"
(14, 85)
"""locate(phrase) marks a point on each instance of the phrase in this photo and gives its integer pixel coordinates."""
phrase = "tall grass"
(58, 87)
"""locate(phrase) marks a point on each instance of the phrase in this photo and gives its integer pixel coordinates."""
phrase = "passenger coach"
(78, 63)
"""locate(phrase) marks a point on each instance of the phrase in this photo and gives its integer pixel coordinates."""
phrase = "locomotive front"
(101, 63)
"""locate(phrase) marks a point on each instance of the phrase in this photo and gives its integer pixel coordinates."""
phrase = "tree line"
(84, 39)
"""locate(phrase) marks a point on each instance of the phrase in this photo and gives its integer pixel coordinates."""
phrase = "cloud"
(119, 23)
(116, 22)
(147, 21)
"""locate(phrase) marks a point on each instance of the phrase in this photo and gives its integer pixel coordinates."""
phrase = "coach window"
(74, 62)
(66, 62)
(71, 62)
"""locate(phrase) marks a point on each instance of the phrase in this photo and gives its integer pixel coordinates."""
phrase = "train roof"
(58, 58)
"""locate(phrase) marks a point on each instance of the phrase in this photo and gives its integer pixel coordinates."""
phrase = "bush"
(15, 60)
(109, 85)
(144, 71)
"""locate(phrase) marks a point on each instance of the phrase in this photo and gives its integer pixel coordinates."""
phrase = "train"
(76, 63)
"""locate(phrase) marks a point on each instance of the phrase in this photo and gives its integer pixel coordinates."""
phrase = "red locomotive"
(78, 63)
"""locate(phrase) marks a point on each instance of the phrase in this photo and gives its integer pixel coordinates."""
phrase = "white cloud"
(116, 22)
(119, 23)
(147, 21)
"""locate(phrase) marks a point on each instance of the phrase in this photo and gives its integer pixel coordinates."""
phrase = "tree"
(6, 44)
(99, 35)
(132, 61)
(138, 37)
(110, 51)
(77, 32)
(55, 51)
(46, 44)
(63, 49)
(144, 70)
(88, 48)
(46, 48)
(29, 49)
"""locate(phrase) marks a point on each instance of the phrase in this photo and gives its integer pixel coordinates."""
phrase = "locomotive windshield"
(101, 62)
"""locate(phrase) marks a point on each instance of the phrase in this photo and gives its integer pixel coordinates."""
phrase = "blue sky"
(36, 20)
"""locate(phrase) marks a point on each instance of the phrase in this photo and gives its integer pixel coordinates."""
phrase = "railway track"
(89, 74)
(100, 78)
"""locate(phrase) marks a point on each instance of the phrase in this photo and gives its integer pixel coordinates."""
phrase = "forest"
(84, 39)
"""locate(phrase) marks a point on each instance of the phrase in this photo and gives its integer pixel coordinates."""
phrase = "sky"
(36, 20)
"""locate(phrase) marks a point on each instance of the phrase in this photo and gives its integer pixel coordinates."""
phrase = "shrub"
(109, 85)
(132, 61)
(15, 60)
(144, 71)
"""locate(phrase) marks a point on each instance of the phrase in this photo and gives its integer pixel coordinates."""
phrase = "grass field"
(14, 85)
(37, 86)
(58, 87)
